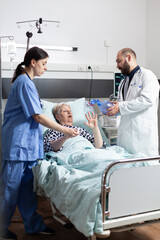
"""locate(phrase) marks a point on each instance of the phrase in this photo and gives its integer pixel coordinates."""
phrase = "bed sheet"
(72, 180)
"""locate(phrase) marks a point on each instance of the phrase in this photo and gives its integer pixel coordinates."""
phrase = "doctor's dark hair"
(33, 53)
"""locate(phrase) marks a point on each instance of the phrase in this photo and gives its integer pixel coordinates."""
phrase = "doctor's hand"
(70, 132)
(112, 111)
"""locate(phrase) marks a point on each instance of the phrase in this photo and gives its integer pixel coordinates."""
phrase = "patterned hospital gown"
(52, 135)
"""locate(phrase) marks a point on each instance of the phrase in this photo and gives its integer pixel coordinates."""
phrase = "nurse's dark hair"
(33, 53)
(125, 51)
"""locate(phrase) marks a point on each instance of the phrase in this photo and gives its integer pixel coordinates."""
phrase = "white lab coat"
(138, 129)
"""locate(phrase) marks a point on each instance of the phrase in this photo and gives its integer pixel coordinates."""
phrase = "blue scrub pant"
(16, 189)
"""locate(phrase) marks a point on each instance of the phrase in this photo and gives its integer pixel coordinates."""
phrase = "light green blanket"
(72, 180)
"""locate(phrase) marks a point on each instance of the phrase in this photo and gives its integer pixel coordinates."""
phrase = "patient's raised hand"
(92, 120)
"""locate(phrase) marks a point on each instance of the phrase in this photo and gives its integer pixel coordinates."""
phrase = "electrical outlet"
(96, 68)
(89, 68)
(81, 68)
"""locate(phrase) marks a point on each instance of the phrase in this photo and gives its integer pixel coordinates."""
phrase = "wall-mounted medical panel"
(67, 88)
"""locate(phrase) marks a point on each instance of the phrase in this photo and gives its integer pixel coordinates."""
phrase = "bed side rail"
(106, 175)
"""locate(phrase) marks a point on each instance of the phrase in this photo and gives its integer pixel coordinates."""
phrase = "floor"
(151, 232)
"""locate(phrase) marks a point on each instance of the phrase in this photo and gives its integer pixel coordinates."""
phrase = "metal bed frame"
(145, 211)
(129, 181)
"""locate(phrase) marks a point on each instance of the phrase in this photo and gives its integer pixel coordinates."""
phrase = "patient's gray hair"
(57, 109)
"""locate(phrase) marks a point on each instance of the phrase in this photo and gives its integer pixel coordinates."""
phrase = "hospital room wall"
(153, 36)
(152, 40)
(86, 24)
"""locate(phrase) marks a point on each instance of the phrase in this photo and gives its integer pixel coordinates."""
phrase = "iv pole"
(29, 34)
(1, 109)
(38, 23)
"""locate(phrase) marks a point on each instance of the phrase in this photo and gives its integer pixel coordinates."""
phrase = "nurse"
(22, 145)
(137, 105)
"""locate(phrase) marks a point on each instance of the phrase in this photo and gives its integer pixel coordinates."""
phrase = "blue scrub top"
(22, 136)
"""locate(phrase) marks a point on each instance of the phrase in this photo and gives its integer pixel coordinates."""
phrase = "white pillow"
(79, 107)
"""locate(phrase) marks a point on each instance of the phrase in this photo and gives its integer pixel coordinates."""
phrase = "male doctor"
(137, 105)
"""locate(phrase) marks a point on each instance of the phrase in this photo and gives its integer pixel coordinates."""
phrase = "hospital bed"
(129, 196)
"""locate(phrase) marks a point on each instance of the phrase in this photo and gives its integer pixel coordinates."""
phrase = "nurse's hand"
(70, 132)
(112, 111)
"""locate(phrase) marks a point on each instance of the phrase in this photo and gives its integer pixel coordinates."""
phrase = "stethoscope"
(122, 83)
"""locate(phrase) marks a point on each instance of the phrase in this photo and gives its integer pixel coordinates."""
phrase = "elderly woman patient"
(54, 140)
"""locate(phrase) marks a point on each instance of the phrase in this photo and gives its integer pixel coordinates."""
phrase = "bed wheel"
(92, 238)
(104, 234)
(68, 225)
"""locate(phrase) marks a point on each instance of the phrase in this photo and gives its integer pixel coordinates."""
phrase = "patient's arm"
(47, 122)
(92, 123)
(57, 144)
